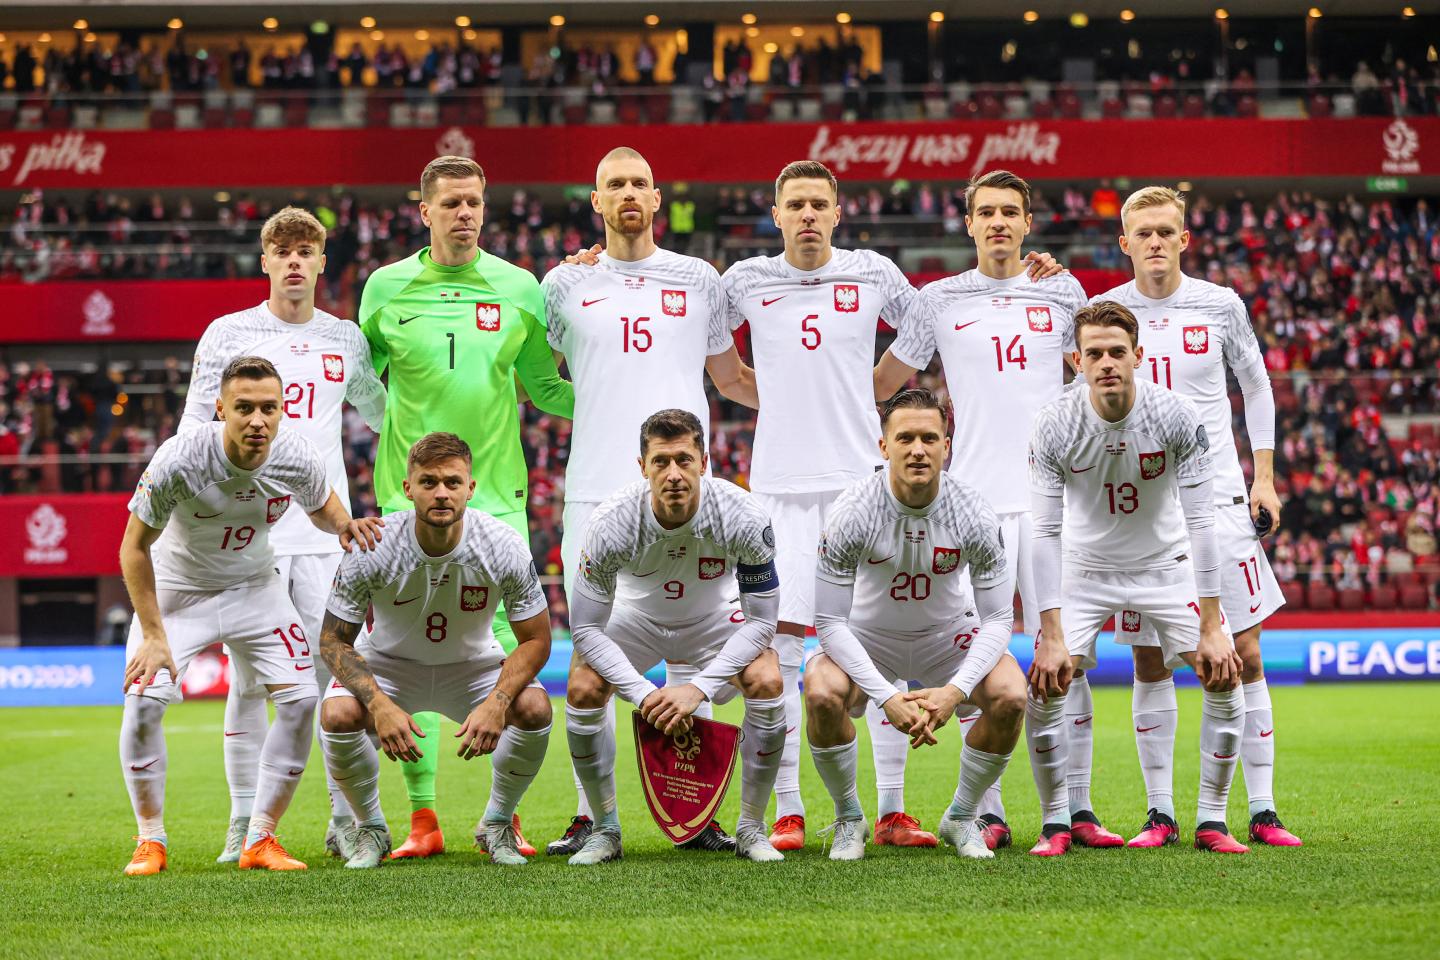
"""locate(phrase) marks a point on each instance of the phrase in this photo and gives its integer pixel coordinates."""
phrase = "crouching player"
(657, 581)
(892, 604)
(200, 570)
(1126, 465)
(435, 583)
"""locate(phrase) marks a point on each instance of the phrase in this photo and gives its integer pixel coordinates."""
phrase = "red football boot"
(1215, 838)
(1159, 831)
(899, 829)
(425, 838)
(1086, 831)
(995, 831)
(1266, 828)
(788, 833)
(1052, 843)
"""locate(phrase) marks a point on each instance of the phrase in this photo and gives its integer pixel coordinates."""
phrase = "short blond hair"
(448, 168)
(622, 153)
(805, 170)
(1155, 196)
(290, 226)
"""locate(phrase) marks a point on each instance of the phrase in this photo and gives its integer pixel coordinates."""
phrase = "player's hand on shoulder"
(587, 258)
(394, 728)
(480, 733)
(363, 532)
(152, 657)
(1043, 266)
(669, 709)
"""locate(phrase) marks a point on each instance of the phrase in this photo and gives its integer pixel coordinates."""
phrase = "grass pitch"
(1358, 779)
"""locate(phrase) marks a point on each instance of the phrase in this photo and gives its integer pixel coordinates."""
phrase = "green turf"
(1359, 778)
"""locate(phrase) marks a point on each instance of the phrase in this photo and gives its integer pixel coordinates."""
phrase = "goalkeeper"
(454, 326)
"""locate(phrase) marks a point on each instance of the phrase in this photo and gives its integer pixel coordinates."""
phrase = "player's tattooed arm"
(337, 649)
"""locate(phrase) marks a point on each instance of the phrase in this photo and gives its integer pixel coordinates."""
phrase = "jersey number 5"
(808, 329)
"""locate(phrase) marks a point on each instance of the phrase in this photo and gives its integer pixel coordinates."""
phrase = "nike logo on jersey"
(305, 667)
(891, 557)
(400, 603)
(766, 303)
(142, 766)
(406, 320)
(1147, 729)
(641, 576)
(1256, 607)
(962, 326)
(1267, 733)
(211, 516)
(885, 723)
(1091, 467)
(591, 303)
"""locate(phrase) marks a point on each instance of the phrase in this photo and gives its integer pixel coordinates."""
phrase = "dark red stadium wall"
(730, 153)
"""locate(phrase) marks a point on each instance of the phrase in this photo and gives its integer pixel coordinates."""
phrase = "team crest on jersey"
(712, 567)
(334, 367)
(474, 598)
(847, 298)
(1152, 465)
(1197, 339)
(1039, 319)
(275, 508)
(1129, 621)
(672, 303)
(487, 317)
(946, 560)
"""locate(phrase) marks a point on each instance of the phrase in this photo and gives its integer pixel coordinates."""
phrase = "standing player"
(435, 584)
(205, 505)
(454, 326)
(1193, 331)
(1004, 339)
(662, 560)
(322, 360)
(892, 604)
(638, 331)
(813, 313)
(1122, 462)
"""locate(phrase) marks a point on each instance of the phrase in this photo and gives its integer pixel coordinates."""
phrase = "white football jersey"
(217, 519)
(1003, 344)
(675, 577)
(1188, 339)
(812, 341)
(910, 566)
(438, 610)
(1121, 481)
(322, 363)
(635, 336)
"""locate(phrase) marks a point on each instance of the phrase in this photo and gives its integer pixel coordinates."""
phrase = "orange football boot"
(425, 838)
(899, 829)
(788, 833)
(267, 854)
(149, 858)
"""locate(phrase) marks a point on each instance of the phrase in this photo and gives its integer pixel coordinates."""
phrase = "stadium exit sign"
(1387, 184)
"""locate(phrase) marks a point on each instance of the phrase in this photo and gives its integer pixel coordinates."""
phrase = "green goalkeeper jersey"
(453, 339)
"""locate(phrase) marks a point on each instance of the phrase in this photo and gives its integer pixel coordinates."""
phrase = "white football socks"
(1080, 729)
(978, 772)
(1046, 740)
(762, 742)
(245, 720)
(836, 766)
(1257, 751)
(591, 736)
(353, 763)
(513, 767)
(283, 758)
(787, 781)
(1222, 723)
(143, 761)
(889, 747)
(1154, 709)
(991, 804)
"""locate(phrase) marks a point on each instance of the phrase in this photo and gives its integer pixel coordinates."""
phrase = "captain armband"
(757, 578)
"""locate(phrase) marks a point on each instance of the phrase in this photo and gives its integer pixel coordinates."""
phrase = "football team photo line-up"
(1120, 494)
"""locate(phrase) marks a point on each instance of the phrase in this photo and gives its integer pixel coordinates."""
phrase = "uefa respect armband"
(758, 577)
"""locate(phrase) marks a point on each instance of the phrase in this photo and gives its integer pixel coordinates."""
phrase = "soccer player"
(323, 361)
(638, 331)
(813, 313)
(436, 583)
(199, 568)
(1127, 465)
(892, 604)
(454, 326)
(1004, 339)
(1192, 331)
(662, 560)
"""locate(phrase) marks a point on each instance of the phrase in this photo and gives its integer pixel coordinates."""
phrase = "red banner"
(685, 776)
(67, 535)
(729, 153)
(97, 310)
